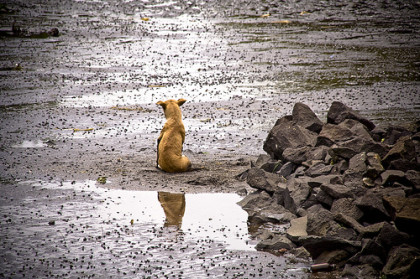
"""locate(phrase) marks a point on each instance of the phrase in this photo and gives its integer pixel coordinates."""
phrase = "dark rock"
(331, 134)
(374, 165)
(274, 213)
(275, 242)
(389, 236)
(340, 151)
(287, 134)
(403, 263)
(339, 112)
(261, 160)
(332, 257)
(324, 199)
(347, 207)
(287, 169)
(325, 179)
(389, 177)
(404, 149)
(318, 244)
(296, 155)
(372, 260)
(256, 201)
(321, 222)
(337, 191)
(405, 212)
(372, 247)
(299, 190)
(318, 170)
(394, 133)
(368, 231)
(360, 271)
(378, 133)
(357, 168)
(318, 153)
(306, 118)
(413, 177)
(404, 165)
(372, 206)
(259, 179)
(273, 166)
(289, 204)
(297, 228)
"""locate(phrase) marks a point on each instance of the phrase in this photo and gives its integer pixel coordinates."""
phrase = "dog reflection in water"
(173, 205)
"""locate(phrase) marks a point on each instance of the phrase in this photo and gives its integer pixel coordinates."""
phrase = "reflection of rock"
(174, 207)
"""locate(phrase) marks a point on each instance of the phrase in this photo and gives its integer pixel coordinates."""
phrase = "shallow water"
(78, 229)
(87, 99)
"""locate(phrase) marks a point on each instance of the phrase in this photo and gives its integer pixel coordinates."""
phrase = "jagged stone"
(405, 212)
(372, 206)
(365, 271)
(318, 170)
(299, 190)
(318, 244)
(262, 180)
(306, 118)
(404, 149)
(339, 112)
(287, 135)
(374, 165)
(357, 168)
(337, 191)
(389, 177)
(394, 133)
(297, 228)
(347, 207)
(390, 236)
(296, 155)
(403, 263)
(287, 169)
(275, 242)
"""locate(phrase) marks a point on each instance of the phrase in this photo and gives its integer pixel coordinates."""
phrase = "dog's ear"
(181, 101)
(163, 104)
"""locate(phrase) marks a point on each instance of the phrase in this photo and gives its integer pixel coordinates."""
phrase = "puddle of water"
(213, 216)
(77, 229)
(30, 144)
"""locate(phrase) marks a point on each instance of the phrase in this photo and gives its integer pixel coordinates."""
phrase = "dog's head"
(171, 107)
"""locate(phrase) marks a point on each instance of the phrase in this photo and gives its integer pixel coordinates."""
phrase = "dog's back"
(171, 139)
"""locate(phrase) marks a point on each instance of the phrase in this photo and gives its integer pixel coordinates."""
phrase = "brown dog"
(171, 139)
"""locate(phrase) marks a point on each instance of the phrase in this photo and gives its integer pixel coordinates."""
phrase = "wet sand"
(81, 106)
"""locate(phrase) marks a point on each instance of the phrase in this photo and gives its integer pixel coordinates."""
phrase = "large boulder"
(305, 117)
(339, 112)
(287, 134)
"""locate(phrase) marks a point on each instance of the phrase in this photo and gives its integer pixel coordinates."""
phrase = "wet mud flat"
(81, 107)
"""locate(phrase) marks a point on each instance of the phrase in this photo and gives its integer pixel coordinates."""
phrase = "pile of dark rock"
(348, 190)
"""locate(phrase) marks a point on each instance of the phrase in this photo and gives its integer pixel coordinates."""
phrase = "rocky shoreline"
(346, 190)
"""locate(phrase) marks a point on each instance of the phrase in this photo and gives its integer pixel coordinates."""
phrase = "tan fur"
(173, 205)
(171, 139)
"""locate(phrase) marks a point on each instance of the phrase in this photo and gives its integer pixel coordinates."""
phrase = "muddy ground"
(81, 106)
